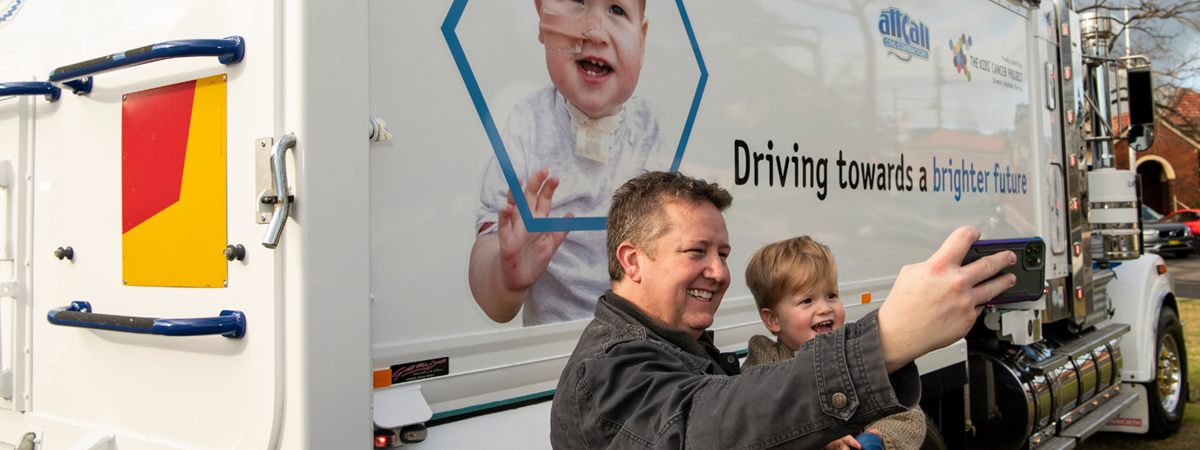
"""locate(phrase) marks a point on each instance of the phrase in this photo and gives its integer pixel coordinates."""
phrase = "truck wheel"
(1166, 393)
(933, 436)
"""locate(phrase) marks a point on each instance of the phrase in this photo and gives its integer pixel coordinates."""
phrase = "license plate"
(1172, 242)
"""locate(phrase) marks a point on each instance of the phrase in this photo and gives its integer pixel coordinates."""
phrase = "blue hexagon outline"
(537, 225)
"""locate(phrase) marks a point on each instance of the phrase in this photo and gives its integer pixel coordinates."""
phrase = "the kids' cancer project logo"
(959, 54)
(904, 36)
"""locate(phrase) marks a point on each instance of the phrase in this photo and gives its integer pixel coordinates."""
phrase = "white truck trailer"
(176, 278)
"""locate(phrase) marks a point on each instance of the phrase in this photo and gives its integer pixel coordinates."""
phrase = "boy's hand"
(935, 303)
(845, 443)
(524, 255)
(849, 442)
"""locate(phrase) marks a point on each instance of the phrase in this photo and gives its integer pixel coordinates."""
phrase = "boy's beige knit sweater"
(904, 431)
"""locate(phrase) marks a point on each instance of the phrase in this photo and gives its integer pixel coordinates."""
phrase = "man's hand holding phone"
(934, 303)
(1030, 268)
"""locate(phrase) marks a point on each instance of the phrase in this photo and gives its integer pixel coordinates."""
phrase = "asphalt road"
(1186, 272)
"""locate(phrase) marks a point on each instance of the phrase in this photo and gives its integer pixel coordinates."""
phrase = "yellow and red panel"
(173, 185)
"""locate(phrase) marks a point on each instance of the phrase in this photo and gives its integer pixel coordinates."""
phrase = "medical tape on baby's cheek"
(563, 32)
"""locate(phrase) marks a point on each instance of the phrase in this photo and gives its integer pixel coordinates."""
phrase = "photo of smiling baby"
(571, 144)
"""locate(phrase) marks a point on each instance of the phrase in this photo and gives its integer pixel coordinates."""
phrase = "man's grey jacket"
(632, 383)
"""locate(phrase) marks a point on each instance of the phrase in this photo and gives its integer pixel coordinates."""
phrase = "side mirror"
(1140, 137)
(1141, 108)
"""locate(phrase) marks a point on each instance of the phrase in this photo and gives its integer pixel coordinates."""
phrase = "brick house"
(1170, 169)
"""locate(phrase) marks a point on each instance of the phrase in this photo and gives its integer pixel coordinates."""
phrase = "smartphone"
(1030, 268)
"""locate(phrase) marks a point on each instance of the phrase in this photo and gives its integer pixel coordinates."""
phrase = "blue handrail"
(231, 324)
(77, 76)
(51, 91)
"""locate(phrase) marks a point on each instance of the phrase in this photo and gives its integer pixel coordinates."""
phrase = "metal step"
(1093, 339)
(1058, 443)
(1085, 343)
(1091, 423)
(1046, 365)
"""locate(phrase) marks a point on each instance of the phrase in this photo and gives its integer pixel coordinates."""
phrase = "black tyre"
(1166, 395)
(933, 436)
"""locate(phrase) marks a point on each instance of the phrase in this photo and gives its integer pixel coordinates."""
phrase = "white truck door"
(146, 178)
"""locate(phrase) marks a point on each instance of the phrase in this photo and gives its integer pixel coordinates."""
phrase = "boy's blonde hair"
(789, 266)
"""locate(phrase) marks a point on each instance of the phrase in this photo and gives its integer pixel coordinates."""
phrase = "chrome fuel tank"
(1023, 395)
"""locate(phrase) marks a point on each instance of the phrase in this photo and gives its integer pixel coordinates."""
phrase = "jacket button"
(731, 359)
(839, 400)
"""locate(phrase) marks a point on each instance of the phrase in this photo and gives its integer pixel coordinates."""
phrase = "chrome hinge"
(263, 211)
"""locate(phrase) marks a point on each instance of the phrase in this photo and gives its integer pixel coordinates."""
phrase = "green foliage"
(1189, 313)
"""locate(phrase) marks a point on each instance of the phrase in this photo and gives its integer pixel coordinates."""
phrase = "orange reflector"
(381, 378)
(866, 297)
(1162, 269)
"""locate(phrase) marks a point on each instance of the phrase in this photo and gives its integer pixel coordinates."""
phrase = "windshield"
(1150, 214)
(1184, 217)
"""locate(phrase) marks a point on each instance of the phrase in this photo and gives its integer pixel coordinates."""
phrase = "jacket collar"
(703, 348)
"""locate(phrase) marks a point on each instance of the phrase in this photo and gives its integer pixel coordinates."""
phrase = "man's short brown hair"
(637, 214)
(783, 268)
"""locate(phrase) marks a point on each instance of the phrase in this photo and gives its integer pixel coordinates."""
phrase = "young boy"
(794, 283)
(573, 142)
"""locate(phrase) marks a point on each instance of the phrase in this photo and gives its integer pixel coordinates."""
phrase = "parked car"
(1161, 235)
(1189, 217)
